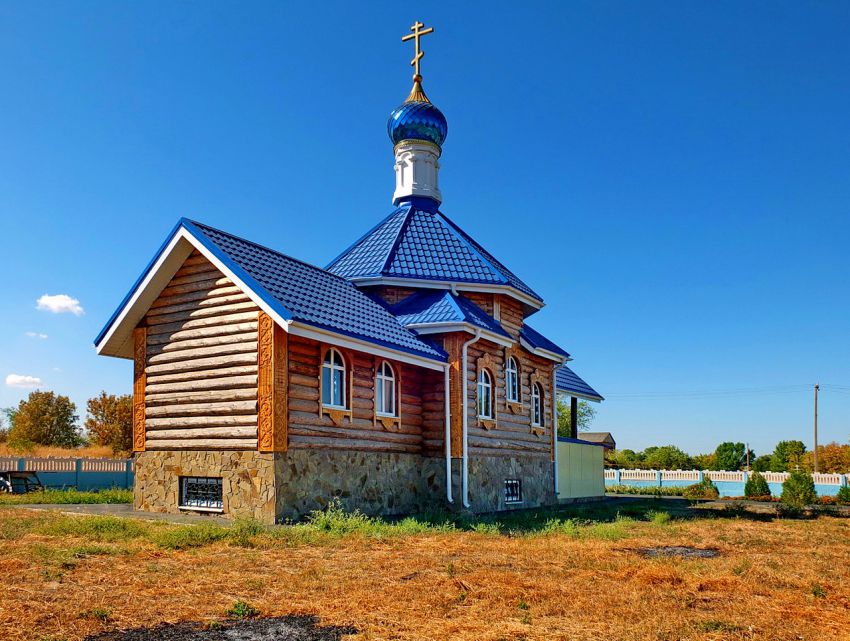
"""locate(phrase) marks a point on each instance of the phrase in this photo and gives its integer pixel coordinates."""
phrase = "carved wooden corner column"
(272, 384)
(140, 345)
(453, 346)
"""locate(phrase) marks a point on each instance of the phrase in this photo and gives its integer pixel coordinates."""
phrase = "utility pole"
(817, 387)
(747, 447)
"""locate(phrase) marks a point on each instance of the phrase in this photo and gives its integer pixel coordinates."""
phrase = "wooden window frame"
(536, 380)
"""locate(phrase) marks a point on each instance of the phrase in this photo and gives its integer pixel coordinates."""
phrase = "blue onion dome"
(417, 119)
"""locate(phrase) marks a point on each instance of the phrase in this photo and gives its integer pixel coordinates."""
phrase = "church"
(403, 376)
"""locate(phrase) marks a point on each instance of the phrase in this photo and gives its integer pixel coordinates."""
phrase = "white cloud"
(36, 335)
(59, 304)
(19, 380)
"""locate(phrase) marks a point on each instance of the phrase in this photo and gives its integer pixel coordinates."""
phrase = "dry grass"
(92, 451)
(779, 580)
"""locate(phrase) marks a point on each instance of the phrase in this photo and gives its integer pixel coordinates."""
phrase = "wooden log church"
(401, 377)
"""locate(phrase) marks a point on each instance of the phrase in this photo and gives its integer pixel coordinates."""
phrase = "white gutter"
(448, 411)
(465, 474)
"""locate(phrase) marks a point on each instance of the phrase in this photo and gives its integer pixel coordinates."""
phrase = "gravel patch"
(290, 628)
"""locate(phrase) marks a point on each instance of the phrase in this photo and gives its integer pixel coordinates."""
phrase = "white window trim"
(537, 404)
(489, 385)
(508, 372)
(334, 367)
(380, 379)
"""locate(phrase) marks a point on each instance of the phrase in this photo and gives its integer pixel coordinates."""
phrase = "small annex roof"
(536, 342)
(566, 380)
(294, 293)
(605, 439)
(442, 309)
(422, 244)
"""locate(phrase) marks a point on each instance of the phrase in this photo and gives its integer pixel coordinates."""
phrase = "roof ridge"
(402, 228)
(266, 248)
(357, 242)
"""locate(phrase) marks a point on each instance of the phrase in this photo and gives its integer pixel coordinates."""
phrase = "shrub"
(799, 490)
(242, 610)
(843, 496)
(705, 489)
(756, 487)
(645, 490)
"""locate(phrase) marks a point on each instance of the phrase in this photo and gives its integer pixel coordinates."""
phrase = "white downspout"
(465, 467)
(448, 411)
(555, 426)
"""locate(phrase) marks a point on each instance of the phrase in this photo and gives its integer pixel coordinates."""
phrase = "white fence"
(82, 473)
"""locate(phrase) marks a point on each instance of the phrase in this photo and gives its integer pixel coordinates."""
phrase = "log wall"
(201, 363)
(419, 428)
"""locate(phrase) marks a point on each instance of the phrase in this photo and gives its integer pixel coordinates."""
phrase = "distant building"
(603, 438)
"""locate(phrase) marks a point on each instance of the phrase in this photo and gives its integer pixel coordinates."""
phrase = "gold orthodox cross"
(418, 32)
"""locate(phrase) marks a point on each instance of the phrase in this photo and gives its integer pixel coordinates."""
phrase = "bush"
(705, 489)
(756, 487)
(843, 496)
(645, 490)
(799, 490)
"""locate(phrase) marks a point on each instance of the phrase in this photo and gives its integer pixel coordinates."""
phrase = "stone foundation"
(248, 482)
(372, 482)
(487, 476)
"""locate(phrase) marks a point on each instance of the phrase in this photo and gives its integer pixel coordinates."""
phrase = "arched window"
(385, 390)
(333, 379)
(537, 405)
(485, 394)
(512, 380)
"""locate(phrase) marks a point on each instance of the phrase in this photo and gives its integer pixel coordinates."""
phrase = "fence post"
(617, 474)
(658, 477)
(78, 468)
(700, 476)
(22, 465)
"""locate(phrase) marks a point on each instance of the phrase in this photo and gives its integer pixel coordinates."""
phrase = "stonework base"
(248, 484)
(375, 483)
(487, 475)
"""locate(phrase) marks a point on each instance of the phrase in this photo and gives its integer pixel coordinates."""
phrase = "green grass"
(650, 490)
(67, 497)
(590, 521)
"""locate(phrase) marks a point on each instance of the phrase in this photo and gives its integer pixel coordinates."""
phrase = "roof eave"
(449, 285)
(442, 328)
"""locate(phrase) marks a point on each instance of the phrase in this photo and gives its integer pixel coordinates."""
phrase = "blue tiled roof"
(417, 243)
(443, 307)
(566, 380)
(538, 340)
(309, 294)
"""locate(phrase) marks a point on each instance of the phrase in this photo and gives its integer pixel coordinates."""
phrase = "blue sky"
(672, 177)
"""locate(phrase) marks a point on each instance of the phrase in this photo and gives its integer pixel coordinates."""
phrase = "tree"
(586, 414)
(666, 457)
(45, 418)
(798, 490)
(832, 458)
(624, 459)
(756, 487)
(110, 421)
(787, 455)
(731, 456)
(704, 461)
(762, 463)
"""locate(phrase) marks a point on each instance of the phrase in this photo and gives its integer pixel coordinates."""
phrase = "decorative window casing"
(513, 491)
(203, 493)
(388, 396)
(335, 383)
(485, 395)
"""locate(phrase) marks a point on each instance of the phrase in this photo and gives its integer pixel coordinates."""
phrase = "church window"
(485, 394)
(385, 390)
(536, 405)
(512, 380)
(333, 379)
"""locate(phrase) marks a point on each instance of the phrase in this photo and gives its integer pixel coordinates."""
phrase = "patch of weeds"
(818, 591)
(99, 614)
(523, 605)
(450, 570)
(213, 625)
(490, 529)
(244, 530)
(526, 618)
(609, 531)
(98, 528)
(184, 537)
(68, 497)
(658, 518)
(742, 568)
(242, 610)
(461, 596)
(714, 625)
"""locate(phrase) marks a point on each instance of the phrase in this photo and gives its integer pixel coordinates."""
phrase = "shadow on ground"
(289, 628)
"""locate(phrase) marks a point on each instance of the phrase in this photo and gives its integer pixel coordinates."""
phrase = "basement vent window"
(201, 493)
(513, 491)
